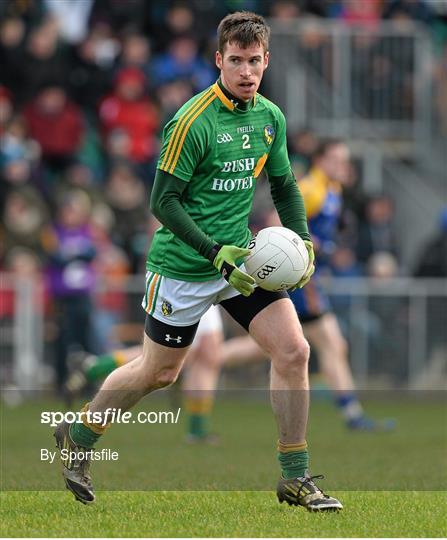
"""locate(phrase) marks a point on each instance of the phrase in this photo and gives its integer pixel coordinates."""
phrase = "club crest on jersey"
(269, 134)
(166, 308)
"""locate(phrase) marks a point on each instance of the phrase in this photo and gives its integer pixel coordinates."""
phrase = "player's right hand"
(225, 261)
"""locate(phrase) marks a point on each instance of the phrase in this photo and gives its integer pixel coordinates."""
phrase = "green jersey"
(220, 150)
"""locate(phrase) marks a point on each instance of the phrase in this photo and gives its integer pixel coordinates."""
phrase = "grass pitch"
(220, 514)
(391, 484)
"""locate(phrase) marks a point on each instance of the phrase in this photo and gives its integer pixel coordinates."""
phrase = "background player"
(322, 194)
(213, 151)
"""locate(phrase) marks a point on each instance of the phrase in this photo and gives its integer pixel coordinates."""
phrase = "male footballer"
(213, 152)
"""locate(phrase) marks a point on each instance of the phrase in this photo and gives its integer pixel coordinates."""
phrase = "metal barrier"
(351, 81)
(396, 329)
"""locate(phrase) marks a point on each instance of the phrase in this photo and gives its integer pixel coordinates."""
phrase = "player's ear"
(219, 60)
(266, 59)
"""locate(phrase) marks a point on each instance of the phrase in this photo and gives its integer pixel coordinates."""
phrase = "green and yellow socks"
(86, 434)
(293, 459)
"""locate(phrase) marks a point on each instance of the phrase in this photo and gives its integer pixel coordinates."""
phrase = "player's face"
(242, 69)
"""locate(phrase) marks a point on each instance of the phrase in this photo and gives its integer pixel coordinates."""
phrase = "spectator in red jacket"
(56, 123)
(130, 111)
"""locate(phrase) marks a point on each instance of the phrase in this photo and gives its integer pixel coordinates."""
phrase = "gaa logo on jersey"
(223, 138)
(166, 308)
(269, 133)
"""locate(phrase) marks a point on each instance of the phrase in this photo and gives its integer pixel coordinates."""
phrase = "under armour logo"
(177, 339)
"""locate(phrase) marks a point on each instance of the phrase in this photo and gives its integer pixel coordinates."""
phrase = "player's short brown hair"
(244, 28)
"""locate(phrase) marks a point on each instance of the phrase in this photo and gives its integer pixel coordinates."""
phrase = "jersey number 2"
(246, 141)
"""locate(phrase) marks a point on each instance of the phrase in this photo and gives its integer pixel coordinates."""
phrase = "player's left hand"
(310, 267)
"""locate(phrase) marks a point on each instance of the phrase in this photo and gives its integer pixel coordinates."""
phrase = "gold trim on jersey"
(185, 131)
(223, 98)
(175, 136)
(260, 165)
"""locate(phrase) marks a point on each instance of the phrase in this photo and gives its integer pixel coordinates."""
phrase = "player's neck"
(240, 104)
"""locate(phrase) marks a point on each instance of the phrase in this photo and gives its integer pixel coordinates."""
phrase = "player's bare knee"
(165, 377)
(292, 357)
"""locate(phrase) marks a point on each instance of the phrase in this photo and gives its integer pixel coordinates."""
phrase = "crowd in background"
(83, 99)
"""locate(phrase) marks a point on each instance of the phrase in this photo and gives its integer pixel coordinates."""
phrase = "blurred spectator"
(30, 11)
(382, 265)
(178, 20)
(387, 320)
(57, 125)
(136, 52)
(432, 261)
(112, 268)
(353, 204)
(15, 143)
(118, 146)
(43, 62)
(172, 96)
(119, 14)
(128, 199)
(313, 42)
(24, 221)
(13, 172)
(78, 176)
(12, 32)
(285, 10)
(417, 10)
(22, 262)
(182, 61)
(344, 263)
(129, 110)
(93, 63)
(366, 13)
(17, 152)
(72, 28)
(302, 146)
(376, 231)
(72, 277)
(439, 27)
(106, 44)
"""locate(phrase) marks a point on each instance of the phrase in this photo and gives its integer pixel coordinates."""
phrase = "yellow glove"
(224, 258)
(310, 267)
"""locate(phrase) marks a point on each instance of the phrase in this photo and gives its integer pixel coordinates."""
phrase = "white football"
(278, 258)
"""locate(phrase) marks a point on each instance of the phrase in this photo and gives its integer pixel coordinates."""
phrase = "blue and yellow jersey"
(323, 201)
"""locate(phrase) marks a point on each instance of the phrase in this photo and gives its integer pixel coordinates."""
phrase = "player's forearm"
(289, 204)
(167, 208)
